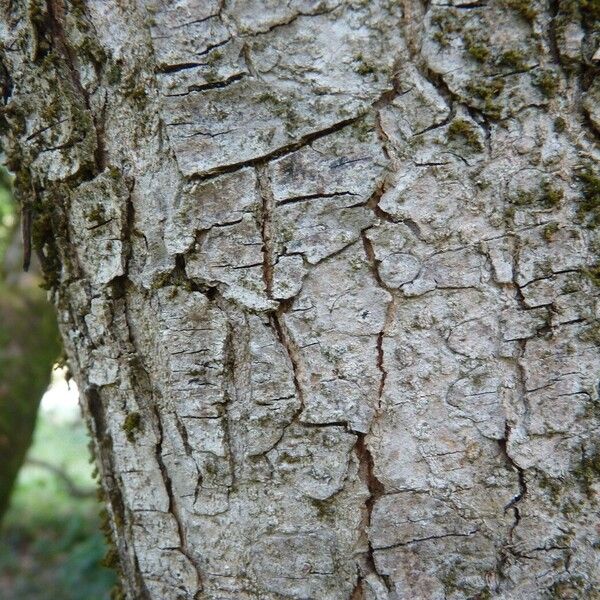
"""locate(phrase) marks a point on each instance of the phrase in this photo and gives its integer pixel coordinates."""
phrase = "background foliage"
(50, 542)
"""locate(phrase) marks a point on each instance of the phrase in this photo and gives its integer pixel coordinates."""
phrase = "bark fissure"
(427, 539)
(304, 140)
(376, 490)
(55, 10)
(310, 197)
(173, 505)
(213, 85)
(370, 254)
(294, 355)
(266, 225)
(291, 20)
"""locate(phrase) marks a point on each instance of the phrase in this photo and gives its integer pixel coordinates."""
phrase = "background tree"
(29, 346)
(326, 275)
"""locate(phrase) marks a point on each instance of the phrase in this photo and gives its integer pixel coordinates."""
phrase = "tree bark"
(326, 274)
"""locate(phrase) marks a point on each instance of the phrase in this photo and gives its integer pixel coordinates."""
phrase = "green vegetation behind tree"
(29, 345)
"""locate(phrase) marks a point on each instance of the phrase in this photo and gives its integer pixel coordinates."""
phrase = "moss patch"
(132, 425)
(589, 203)
(487, 92)
(551, 196)
(593, 274)
(514, 59)
(590, 11)
(560, 124)
(588, 471)
(476, 47)
(524, 8)
(550, 231)
(547, 81)
(462, 131)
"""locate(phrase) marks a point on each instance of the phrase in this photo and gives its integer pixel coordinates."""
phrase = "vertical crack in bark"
(142, 386)
(415, 12)
(376, 490)
(276, 317)
(293, 353)
(521, 393)
(229, 383)
(173, 508)
(519, 370)
(248, 61)
(358, 593)
(389, 316)
(553, 8)
(268, 204)
(513, 504)
(183, 433)
(55, 21)
(363, 454)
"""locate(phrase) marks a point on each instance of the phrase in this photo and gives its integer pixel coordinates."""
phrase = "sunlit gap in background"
(61, 400)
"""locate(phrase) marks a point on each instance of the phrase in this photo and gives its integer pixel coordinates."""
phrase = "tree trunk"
(326, 276)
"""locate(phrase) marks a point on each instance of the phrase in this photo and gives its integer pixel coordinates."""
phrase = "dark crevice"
(176, 68)
(469, 6)
(358, 593)
(438, 82)
(26, 221)
(213, 85)
(553, 6)
(308, 197)
(520, 296)
(68, 144)
(293, 353)
(376, 490)
(343, 424)
(427, 539)
(93, 227)
(277, 153)
(432, 164)
(590, 125)
(212, 47)
(43, 129)
(56, 15)
(370, 253)
(183, 434)
(434, 126)
(173, 510)
(229, 394)
(268, 203)
(207, 134)
(483, 122)
(319, 12)
(248, 61)
(373, 204)
(502, 75)
(513, 504)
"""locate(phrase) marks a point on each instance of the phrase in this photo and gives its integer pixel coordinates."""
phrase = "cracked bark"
(339, 263)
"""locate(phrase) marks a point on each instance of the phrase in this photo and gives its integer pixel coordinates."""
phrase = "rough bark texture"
(326, 274)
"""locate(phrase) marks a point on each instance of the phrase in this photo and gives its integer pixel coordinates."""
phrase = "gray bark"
(326, 275)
